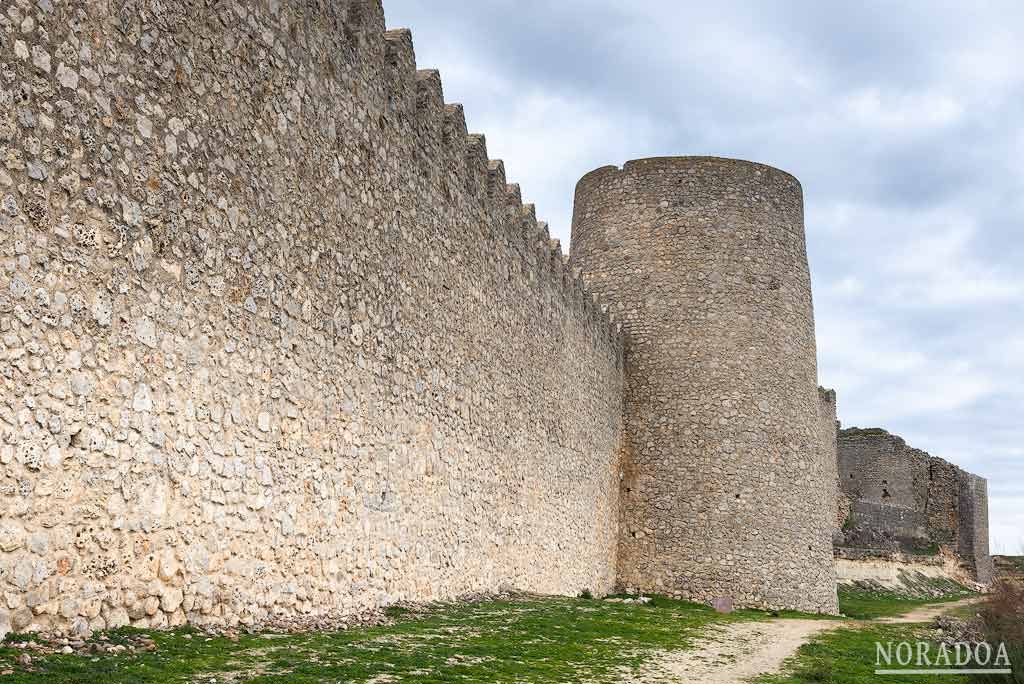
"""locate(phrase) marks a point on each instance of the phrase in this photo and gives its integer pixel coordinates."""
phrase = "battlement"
(454, 156)
(672, 163)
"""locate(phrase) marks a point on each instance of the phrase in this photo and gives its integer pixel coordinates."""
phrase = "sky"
(903, 121)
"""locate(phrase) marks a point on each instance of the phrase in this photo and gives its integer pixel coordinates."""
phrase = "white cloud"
(1006, 525)
(903, 112)
(918, 259)
(937, 268)
(532, 132)
(850, 286)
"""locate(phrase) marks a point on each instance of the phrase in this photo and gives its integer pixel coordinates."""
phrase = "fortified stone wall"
(277, 338)
(729, 486)
(904, 501)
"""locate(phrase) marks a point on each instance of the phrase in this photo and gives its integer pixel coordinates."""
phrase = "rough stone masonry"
(277, 339)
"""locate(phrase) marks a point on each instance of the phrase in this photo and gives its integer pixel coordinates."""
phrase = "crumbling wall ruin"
(903, 502)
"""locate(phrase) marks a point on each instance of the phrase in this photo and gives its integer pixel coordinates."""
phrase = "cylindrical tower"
(727, 490)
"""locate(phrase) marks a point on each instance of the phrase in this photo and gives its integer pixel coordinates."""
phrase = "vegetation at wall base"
(847, 655)
(868, 604)
(524, 640)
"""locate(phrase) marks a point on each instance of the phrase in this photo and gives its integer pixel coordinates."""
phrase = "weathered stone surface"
(279, 340)
(170, 599)
(12, 536)
(276, 338)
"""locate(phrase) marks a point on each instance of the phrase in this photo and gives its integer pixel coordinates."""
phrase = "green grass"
(868, 604)
(543, 640)
(848, 656)
(929, 549)
(522, 640)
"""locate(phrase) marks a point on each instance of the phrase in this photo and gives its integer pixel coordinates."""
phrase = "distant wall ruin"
(898, 500)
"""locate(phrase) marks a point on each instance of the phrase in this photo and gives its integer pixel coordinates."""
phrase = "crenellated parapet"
(451, 155)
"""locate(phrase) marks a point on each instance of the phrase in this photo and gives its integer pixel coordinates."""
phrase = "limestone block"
(12, 536)
(170, 599)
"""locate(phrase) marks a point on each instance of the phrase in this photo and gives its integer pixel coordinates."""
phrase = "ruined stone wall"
(277, 338)
(729, 487)
(828, 426)
(904, 501)
(972, 539)
(1008, 569)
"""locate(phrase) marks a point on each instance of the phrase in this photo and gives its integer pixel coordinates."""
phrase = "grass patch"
(848, 656)
(542, 640)
(869, 604)
(929, 549)
(869, 600)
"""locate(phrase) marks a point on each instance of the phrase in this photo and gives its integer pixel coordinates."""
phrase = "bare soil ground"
(736, 653)
(732, 653)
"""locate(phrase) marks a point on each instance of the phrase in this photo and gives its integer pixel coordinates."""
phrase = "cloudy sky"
(905, 124)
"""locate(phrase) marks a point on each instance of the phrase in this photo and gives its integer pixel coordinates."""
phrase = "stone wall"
(277, 338)
(729, 485)
(828, 425)
(972, 532)
(904, 501)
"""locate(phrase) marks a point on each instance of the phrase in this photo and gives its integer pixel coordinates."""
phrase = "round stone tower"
(728, 489)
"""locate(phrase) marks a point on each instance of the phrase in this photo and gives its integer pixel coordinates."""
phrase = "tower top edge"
(677, 162)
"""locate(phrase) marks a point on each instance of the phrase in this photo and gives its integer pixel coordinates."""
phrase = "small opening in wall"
(737, 496)
(885, 494)
(633, 534)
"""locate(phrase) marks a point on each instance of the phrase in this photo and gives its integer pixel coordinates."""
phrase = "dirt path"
(735, 653)
(732, 653)
(930, 612)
